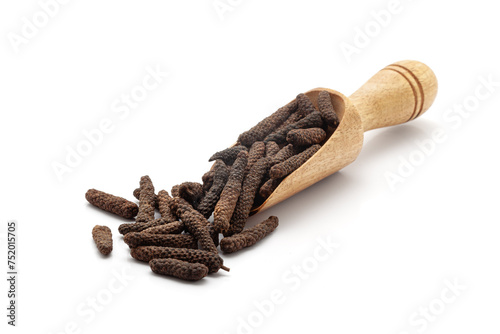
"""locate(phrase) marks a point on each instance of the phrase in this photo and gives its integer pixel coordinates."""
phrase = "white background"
(397, 246)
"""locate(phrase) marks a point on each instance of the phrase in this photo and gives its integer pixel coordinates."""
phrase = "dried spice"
(243, 176)
(175, 190)
(213, 234)
(164, 201)
(305, 105)
(195, 223)
(267, 125)
(285, 153)
(103, 239)
(290, 120)
(228, 155)
(257, 151)
(169, 228)
(180, 269)
(326, 109)
(208, 180)
(304, 108)
(288, 166)
(249, 190)
(146, 201)
(229, 196)
(212, 260)
(207, 204)
(136, 239)
(313, 120)
(138, 227)
(249, 236)
(114, 204)
(306, 137)
(271, 149)
(192, 192)
(269, 186)
(137, 194)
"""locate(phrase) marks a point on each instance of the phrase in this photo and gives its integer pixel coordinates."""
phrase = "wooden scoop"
(397, 94)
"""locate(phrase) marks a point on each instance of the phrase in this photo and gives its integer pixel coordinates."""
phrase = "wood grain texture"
(397, 94)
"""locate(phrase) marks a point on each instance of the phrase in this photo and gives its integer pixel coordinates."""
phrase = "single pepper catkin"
(136, 239)
(228, 155)
(195, 223)
(269, 186)
(114, 204)
(212, 260)
(267, 125)
(164, 201)
(146, 201)
(137, 194)
(178, 268)
(103, 239)
(313, 120)
(249, 236)
(305, 105)
(207, 204)
(288, 166)
(257, 151)
(138, 227)
(245, 201)
(192, 192)
(306, 137)
(229, 196)
(326, 109)
(169, 228)
(271, 149)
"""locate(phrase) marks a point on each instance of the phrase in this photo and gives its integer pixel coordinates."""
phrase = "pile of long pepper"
(183, 242)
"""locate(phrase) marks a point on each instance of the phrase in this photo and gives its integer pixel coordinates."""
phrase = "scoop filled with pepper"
(313, 136)
(325, 128)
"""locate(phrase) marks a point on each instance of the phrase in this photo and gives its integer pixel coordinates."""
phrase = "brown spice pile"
(183, 242)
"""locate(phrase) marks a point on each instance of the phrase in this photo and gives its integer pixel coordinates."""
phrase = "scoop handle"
(397, 94)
